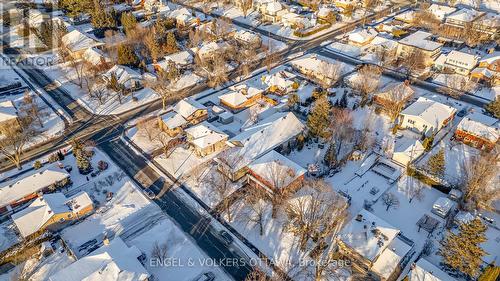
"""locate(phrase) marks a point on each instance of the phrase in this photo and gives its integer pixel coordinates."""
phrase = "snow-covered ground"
(8, 235)
(188, 261)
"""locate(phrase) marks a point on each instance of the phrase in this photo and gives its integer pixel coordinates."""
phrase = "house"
(77, 43)
(8, 114)
(374, 246)
(423, 270)
(295, 21)
(419, 41)
(489, 24)
(277, 130)
(282, 82)
(96, 57)
(463, 17)
(442, 206)
(273, 170)
(111, 262)
(393, 93)
(181, 59)
(479, 131)
(183, 17)
(426, 116)
(241, 98)
(406, 17)
(346, 5)
(248, 39)
(460, 62)
(272, 11)
(125, 76)
(206, 139)
(488, 70)
(212, 49)
(441, 11)
(346, 49)
(318, 68)
(186, 112)
(51, 211)
(362, 36)
(406, 150)
(326, 15)
(18, 191)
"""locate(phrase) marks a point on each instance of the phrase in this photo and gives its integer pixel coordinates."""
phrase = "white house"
(362, 37)
(125, 76)
(248, 39)
(281, 81)
(77, 43)
(426, 116)
(441, 11)
(180, 59)
(460, 62)
(463, 17)
(419, 41)
(8, 113)
(407, 150)
(206, 138)
(113, 261)
(96, 57)
(423, 270)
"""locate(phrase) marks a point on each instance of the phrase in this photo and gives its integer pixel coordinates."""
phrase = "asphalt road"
(185, 216)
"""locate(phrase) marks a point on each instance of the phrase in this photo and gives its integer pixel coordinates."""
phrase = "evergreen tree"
(494, 107)
(102, 19)
(491, 273)
(436, 163)
(300, 142)
(331, 155)
(82, 162)
(172, 73)
(343, 101)
(127, 56)
(462, 251)
(171, 44)
(293, 100)
(318, 119)
(129, 22)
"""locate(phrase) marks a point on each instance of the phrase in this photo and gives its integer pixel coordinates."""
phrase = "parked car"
(228, 239)
(207, 276)
(150, 194)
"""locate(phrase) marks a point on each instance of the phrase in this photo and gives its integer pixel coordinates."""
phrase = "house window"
(411, 121)
(61, 220)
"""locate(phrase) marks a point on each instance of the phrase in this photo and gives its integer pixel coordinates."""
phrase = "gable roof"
(426, 271)
(7, 111)
(18, 188)
(273, 164)
(432, 112)
(205, 134)
(95, 56)
(362, 35)
(240, 96)
(464, 15)
(126, 76)
(420, 40)
(361, 235)
(173, 120)
(76, 41)
(481, 126)
(440, 11)
(112, 262)
(458, 58)
(186, 107)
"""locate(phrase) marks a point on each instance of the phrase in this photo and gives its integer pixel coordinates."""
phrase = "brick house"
(479, 131)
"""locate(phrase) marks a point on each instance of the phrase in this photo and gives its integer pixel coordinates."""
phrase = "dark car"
(228, 239)
(462, 112)
(150, 194)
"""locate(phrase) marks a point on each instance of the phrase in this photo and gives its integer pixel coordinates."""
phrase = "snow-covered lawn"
(142, 140)
(182, 161)
(8, 235)
(126, 213)
(181, 250)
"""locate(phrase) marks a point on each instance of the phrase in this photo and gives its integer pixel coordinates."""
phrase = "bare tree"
(159, 251)
(415, 189)
(222, 188)
(32, 109)
(414, 61)
(390, 200)
(272, 57)
(341, 128)
(279, 177)
(395, 100)
(246, 58)
(481, 179)
(258, 208)
(317, 214)
(332, 71)
(76, 65)
(245, 6)
(152, 44)
(457, 85)
(217, 72)
(15, 138)
(148, 128)
(367, 82)
(99, 94)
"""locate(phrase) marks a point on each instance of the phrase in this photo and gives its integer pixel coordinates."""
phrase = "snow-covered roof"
(368, 236)
(405, 90)
(247, 36)
(274, 7)
(33, 182)
(386, 43)
(420, 40)
(432, 112)
(426, 271)
(444, 204)
(441, 11)
(125, 75)
(173, 120)
(273, 164)
(409, 146)
(266, 135)
(489, 20)
(481, 126)
(182, 15)
(180, 58)
(464, 15)
(347, 49)
(462, 59)
(315, 64)
(390, 258)
(95, 56)
(490, 58)
(282, 79)
(362, 35)
(42, 209)
(211, 48)
(236, 98)
(205, 134)
(406, 16)
(112, 262)
(76, 41)
(7, 111)
(187, 106)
